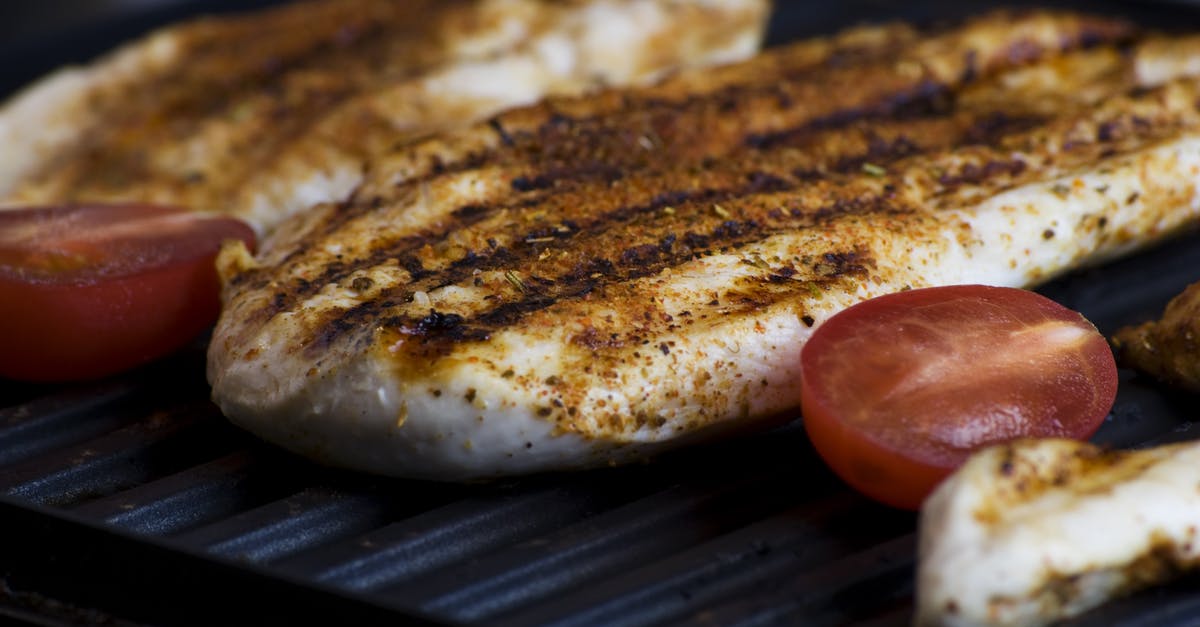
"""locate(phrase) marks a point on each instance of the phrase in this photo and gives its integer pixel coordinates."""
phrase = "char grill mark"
(801, 158)
(831, 84)
(608, 256)
(221, 83)
(618, 131)
(674, 129)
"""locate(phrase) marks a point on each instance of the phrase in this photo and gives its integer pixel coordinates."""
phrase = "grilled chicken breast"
(264, 114)
(588, 281)
(1032, 532)
(1169, 348)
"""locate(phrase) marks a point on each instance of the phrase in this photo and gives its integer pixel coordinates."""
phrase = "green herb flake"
(515, 280)
(873, 169)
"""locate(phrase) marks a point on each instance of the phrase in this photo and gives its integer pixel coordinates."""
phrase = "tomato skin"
(140, 295)
(898, 391)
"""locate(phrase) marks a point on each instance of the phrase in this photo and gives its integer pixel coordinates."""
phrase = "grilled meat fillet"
(264, 114)
(1032, 532)
(1169, 348)
(588, 281)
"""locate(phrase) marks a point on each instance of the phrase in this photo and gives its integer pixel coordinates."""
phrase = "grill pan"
(131, 501)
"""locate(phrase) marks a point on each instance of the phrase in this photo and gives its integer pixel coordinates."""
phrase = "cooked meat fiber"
(1031, 532)
(1168, 348)
(590, 281)
(264, 114)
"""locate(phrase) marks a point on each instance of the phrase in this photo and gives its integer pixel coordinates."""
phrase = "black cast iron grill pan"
(132, 500)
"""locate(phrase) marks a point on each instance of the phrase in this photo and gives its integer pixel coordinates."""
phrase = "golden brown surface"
(585, 196)
(1168, 348)
(582, 280)
(263, 114)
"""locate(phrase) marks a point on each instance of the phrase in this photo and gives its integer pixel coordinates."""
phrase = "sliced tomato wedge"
(899, 390)
(90, 290)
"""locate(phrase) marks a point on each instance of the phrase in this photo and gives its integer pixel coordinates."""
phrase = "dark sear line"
(631, 133)
(698, 152)
(634, 242)
(812, 152)
(626, 130)
(220, 85)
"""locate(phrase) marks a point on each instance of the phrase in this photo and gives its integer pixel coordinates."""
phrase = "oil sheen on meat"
(590, 281)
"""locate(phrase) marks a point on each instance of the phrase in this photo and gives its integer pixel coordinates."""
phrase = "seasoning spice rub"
(263, 114)
(590, 280)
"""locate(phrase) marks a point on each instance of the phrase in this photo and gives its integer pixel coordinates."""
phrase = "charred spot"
(731, 229)
(695, 240)
(667, 199)
(727, 103)
(838, 264)
(470, 212)
(528, 184)
(640, 255)
(511, 312)
(502, 132)
(412, 265)
(437, 323)
(926, 98)
(901, 146)
(989, 128)
(759, 140)
(763, 182)
(591, 267)
(1107, 131)
(667, 244)
(501, 256)
(972, 174)
(783, 274)
(808, 320)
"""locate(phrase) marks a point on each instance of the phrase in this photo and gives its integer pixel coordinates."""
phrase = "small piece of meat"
(1031, 532)
(265, 114)
(1169, 348)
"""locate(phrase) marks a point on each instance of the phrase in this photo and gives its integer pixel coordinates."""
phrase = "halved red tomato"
(90, 290)
(897, 391)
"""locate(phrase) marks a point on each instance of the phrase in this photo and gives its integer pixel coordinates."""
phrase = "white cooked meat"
(587, 282)
(1031, 532)
(264, 114)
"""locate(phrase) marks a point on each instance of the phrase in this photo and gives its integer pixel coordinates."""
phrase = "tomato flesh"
(90, 290)
(897, 391)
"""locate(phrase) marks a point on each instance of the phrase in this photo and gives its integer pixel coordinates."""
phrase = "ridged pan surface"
(132, 500)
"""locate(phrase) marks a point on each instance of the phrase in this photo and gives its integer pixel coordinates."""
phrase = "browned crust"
(1168, 348)
(594, 202)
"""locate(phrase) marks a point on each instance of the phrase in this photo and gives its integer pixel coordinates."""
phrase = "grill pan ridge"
(132, 501)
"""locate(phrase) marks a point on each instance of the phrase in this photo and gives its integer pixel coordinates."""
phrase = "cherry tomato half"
(90, 290)
(897, 391)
